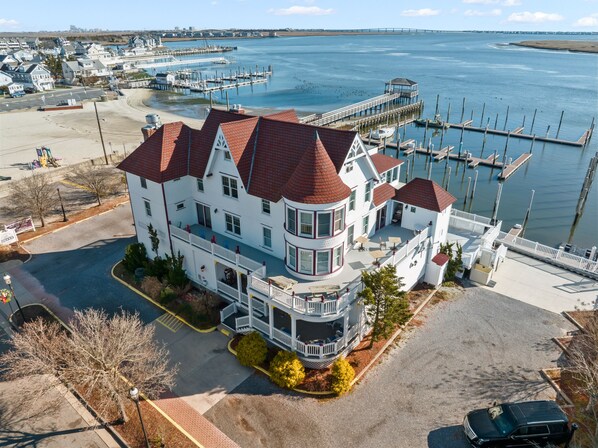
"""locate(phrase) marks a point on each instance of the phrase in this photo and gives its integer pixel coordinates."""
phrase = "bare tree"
(102, 357)
(35, 195)
(99, 180)
(583, 359)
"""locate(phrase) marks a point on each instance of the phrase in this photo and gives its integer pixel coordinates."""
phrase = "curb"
(264, 371)
(149, 299)
(392, 338)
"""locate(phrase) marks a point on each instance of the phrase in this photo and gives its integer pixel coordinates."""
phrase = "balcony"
(301, 299)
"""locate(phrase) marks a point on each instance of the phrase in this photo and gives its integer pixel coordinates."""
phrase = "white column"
(249, 304)
(271, 318)
(293, 333)
(345, 329)
(239, 286)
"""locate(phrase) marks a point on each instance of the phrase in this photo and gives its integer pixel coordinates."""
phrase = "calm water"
(322, 73)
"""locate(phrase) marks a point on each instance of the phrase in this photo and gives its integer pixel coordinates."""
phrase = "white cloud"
(477, 13)
(425, 12)
(493, 2)
(591, 20)
(534, 17)
(8, 23)
(302, 11)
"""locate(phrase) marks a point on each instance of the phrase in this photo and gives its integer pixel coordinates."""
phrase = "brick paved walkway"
(199, 427)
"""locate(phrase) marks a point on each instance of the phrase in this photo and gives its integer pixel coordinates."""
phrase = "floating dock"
(518, 133)
(508, 170)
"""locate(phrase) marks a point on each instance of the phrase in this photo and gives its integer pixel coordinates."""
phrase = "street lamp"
(8, 282)
(134, 394)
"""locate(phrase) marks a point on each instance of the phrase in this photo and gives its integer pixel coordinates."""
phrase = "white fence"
(228, 290)
(551, 255)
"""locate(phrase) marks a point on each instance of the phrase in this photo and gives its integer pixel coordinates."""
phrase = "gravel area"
(473, 349)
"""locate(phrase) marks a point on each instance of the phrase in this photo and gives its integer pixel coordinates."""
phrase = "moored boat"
(437, 122)
(381, 133)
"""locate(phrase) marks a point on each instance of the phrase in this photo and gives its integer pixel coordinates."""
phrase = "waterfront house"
(11, 87)
(281, 218)
(34, 77)
(83, 70)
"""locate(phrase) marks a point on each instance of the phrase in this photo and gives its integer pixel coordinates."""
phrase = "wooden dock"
(475, 161)
(518, 133)
(444, 152)
(508, 170)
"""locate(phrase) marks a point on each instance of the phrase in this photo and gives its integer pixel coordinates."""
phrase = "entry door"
(203, 215)
(381, 218)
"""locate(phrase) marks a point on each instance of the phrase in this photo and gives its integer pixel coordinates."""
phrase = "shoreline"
(573, 46)
(73, 135)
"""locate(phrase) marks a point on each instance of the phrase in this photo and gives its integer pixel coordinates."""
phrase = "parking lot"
(470, 351)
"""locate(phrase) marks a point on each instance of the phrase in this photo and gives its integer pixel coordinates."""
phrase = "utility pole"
(95, 106)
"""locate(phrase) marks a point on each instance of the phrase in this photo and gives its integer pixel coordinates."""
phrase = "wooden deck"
(510, 169)
(490, 160)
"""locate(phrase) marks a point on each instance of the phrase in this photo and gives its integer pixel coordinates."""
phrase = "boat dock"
(444, 152)
(490, 160)
(518, 133)
(508, 170)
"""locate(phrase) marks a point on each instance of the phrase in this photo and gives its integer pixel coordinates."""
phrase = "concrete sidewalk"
(543, 285)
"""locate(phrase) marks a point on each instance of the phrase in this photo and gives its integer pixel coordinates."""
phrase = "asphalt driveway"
(471, 350)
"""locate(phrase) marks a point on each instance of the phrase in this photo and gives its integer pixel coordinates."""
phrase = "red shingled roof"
(266, 150)
(285, 115)
(426, 194)
(163, 156)
(383, 193)
(441, 259)
(384, 163)
(315, 180)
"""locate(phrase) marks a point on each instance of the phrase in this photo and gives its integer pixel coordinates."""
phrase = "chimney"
(147, 131)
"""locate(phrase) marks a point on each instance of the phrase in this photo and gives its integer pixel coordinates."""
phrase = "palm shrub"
(252, 349)
(286, 370)
(135, 257)
(342, 375)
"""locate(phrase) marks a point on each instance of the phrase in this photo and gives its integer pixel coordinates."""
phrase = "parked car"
(530, 423)
(17, 94)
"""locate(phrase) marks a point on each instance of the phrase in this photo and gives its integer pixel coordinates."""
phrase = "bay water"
(318, 74)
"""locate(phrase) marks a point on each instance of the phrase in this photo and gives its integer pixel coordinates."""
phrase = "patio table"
(395, 240)
(377, 254)
(362, 240)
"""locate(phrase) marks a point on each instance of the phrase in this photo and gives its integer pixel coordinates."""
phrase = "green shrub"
(342, 375)
(167, 295)
(175, 273)
(158, 267)
(135, 257)
(286, 370)
(252, 349)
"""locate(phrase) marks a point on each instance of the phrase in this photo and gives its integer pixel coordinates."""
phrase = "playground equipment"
(45, 159)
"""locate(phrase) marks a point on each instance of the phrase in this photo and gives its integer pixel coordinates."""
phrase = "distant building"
(146, 41)
(6, 81)
(8, 45)
(84, 69)
(165, 79)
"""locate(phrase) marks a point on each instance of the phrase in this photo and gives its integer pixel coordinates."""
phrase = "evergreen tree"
(386, 305)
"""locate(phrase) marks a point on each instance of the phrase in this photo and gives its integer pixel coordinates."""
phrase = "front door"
(381, 218)
(203, 215)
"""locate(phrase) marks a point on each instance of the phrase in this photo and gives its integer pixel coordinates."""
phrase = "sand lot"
(73, 135)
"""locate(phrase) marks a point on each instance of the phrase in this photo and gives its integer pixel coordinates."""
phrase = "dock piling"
(531, 148)
(504, 156)
(482, 118)
(529, 208)
(467, 191)
(484, 141)
(462, 110)
(506, 119)
(437, 99)
(560, 122)
(496, 121)
(475, 183)
(448, 179)
(496, 203)
(448, 113)
(533, 121)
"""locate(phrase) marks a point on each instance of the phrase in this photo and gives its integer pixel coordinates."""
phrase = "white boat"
(382, 133)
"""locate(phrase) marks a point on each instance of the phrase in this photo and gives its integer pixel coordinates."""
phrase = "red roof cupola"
(315, 180)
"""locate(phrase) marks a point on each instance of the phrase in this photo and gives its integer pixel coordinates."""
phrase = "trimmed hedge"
(342, 374)
(286, 370)
(252, 349)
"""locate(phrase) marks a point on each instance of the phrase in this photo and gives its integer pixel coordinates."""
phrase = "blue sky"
(549, 15)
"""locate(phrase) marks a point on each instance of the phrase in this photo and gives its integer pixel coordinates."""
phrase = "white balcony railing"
(228, 290)
(228, 311)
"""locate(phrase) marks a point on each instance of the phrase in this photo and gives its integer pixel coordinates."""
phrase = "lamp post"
(134, 394)
(8, 282)
(64, 218)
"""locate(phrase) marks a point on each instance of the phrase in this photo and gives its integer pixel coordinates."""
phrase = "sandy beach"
(562, 45)
(73, 135)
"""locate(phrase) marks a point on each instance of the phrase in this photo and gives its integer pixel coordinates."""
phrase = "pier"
(518, 133)
(514, 166)
(193, 81)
